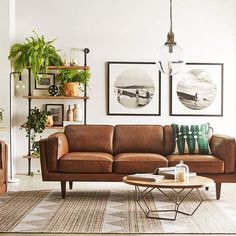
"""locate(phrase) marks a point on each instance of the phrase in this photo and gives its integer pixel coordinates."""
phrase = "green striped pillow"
(191, 139)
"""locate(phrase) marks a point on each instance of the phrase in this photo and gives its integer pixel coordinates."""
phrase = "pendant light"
(170, 58)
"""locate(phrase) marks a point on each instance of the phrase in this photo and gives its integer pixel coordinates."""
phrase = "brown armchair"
(3, 167)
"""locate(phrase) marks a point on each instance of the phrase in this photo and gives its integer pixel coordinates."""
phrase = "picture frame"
(134, 89)
(57, 111)
(44, 81)
(197, 90)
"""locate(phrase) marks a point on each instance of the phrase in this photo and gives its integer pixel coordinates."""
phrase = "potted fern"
(35, 53)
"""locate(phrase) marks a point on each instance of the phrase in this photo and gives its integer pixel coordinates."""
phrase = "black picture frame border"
(62, 115)
(54, 81)
(108, 86)
(222, 91)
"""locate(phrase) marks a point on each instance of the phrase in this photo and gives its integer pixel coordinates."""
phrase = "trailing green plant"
(34, 125)
(36, 53)
(73, 75)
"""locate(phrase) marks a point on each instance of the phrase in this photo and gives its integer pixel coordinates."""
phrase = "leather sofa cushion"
(138, 162)
(138, 139)
(2, 177)
(201, 164)
(90, 138)
(96, 162)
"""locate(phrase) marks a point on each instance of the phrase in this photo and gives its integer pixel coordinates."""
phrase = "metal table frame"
(177, 200)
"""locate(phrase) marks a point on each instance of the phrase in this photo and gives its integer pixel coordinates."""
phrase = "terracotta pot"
(49, 121)
(71, 89)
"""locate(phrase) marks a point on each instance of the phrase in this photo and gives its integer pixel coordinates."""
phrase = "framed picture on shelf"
(57, 111)
(44, 81)
(134, 88)
(197, 90)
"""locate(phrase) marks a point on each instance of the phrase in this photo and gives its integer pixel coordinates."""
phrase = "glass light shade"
(20, 86)
(181, 172)
(170, 59)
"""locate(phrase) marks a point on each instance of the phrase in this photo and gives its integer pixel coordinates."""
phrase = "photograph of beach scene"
(196, 90)
(134, 88)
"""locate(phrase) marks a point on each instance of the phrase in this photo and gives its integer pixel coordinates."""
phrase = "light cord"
(171, 25)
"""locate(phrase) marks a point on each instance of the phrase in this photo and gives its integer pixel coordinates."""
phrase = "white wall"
(133, 30)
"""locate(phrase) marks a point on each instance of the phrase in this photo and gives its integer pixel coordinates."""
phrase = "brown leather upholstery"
(3, 167)
(57, 146)
(201, 164)
(138, 139)
(138, 162)
(90, 138)
(94, 162)
(223, 147)
(84, 153)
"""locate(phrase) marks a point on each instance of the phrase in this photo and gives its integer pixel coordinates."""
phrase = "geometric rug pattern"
(112, 211)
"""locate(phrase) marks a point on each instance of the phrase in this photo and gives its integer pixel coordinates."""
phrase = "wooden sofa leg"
(70, 184)
(63, 189)
(218, 189)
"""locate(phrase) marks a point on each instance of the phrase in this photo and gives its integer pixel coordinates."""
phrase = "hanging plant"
(36, 123)
(35, 53)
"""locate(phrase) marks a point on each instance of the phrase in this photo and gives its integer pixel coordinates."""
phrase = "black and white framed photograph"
(134, 88)
(57, 111)
(44, 81)
(197, 90)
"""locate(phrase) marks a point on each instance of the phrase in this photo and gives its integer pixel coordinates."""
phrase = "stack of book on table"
(149, 177)
(169, 172)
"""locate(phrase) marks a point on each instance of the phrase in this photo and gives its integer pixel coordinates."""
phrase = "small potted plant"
(34, 53)
(36, 123)
(71, 81)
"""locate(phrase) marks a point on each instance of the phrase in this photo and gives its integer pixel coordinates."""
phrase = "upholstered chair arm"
(3, 159)
(223, 147)
(56, 146)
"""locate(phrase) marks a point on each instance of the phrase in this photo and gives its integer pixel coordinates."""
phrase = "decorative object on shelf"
(197, 91)
(69, 114)
(65, 57)
(35, 53)
(181, 172)
(134, 88)
(57, 111)
(70, 81)
(34, 125)
(49, 122)
(53, 90)
(74, 56)
(77, 113)
(20, 86)
(1, 114)
(170, 58)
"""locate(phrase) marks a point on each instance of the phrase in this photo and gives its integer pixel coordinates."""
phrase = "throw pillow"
(191, 140)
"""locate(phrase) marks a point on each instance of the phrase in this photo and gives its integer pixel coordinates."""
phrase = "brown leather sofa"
(107, 153)
(3, 167)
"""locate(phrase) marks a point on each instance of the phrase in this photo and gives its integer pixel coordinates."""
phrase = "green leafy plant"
(73, 75)
(36, 123)
(36, 53)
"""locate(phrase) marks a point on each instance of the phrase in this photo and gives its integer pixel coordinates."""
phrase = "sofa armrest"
(3, 159)
(223, 147)
(56, 146)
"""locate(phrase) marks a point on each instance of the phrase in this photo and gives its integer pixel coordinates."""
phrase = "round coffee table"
(180, 191)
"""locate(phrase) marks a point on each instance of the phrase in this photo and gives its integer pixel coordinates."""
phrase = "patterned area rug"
(104, 212)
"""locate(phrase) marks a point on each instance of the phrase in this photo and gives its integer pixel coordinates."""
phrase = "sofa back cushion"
(138, 138)
(90, 138)
(169, 141)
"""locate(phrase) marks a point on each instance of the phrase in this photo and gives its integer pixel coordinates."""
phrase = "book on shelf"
(145, 177)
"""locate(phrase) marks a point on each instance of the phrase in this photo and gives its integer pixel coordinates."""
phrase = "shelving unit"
(30, 97)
